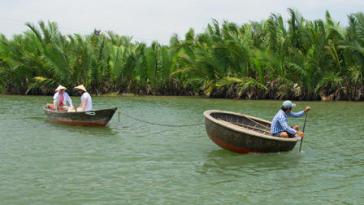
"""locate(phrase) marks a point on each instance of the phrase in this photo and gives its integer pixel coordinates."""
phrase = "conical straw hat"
(60, 87)
(81, 87)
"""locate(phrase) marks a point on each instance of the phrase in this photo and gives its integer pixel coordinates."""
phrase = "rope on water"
(159, 124)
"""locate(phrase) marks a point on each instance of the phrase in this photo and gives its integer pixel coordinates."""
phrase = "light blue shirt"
(280, 122)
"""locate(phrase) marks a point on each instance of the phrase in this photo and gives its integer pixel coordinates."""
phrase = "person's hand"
(296, 127)
(307, 108)
(300, 134)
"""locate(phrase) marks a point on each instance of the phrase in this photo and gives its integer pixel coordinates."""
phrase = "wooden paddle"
(303, 130)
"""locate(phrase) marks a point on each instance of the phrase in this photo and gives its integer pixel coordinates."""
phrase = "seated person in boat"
(280, 127)
(86, 101)
(61, 100)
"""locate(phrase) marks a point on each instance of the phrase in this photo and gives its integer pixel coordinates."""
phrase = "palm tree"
(273, 59)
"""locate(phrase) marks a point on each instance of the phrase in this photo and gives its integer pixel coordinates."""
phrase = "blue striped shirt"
(280, 122)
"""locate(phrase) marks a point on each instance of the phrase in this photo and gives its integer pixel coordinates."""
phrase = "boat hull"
(239, 140)
(98, 118)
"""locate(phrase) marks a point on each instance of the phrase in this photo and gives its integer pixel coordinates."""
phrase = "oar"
(303, 130)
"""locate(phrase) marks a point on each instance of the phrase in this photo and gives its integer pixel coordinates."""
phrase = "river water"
(130, 162)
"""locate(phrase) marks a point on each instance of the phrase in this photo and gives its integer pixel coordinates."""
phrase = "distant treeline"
(271, 59)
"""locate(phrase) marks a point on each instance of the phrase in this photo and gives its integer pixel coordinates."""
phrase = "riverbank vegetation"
(272, 59)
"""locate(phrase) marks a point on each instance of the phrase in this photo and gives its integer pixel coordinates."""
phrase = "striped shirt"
(280, 122)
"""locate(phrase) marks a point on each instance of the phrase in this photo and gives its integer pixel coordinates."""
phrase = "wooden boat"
(243, 133)
(89, 118)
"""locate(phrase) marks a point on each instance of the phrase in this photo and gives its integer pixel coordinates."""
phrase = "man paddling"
(280, 127)
(86, 101)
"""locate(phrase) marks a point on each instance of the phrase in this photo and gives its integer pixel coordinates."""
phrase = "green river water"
(130, 162)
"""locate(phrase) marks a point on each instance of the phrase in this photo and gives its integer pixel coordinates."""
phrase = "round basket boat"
(243, 133)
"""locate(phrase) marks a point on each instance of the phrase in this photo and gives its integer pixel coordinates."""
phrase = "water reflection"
(94, 131)
(222, 161)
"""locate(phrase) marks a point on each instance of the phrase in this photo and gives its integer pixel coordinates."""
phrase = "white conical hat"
(81, 87)
(60, 87)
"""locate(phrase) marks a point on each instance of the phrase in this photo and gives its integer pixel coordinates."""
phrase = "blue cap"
(288, 104)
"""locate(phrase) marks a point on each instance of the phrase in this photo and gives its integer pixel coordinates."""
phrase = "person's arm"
(55, 101)
(69, 100)
(299, 114)
(296, 114)
(83, 103)
(286, 127)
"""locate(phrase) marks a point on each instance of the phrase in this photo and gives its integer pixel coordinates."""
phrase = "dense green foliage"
(272, 59)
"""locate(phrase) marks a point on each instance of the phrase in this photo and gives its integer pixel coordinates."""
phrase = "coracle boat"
(89, 118)
(243, 133)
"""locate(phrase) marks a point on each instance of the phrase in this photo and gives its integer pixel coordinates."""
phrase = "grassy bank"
(272, 59)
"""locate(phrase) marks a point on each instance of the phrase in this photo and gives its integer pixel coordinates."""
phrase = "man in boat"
(86, 101)
(280, 127)
(61, 100)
